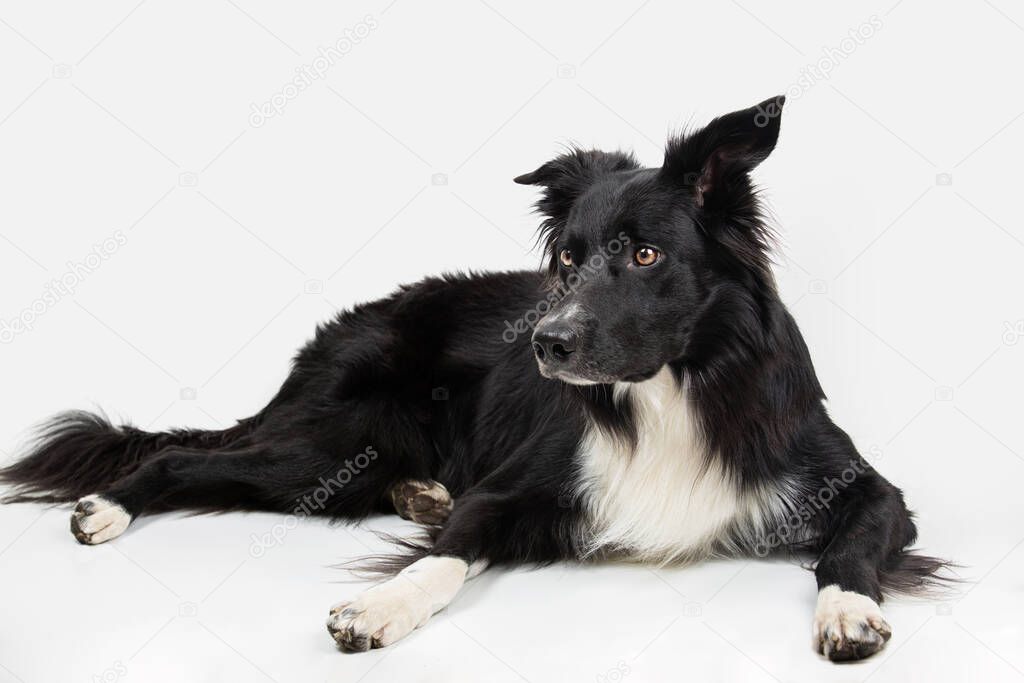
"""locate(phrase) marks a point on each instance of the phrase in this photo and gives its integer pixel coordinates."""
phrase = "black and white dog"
(675, 415)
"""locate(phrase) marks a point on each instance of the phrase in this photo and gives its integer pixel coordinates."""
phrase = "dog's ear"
(566, 177)
(714, 161)
(714, 165)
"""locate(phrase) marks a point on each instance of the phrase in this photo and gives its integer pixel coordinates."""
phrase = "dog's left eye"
(646, 256)
(565, 256)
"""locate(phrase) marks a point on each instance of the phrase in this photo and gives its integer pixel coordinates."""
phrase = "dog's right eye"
(565, 256)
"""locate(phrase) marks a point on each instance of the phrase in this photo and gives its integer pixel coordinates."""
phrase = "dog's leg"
(177, 478)
(424, 502)
(868, 530)
(292, 477)
(335, 466)
(484, 528)
(393, 609)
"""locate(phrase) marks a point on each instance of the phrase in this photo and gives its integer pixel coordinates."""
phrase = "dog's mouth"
(591, 377)
(586, 377)
(570, 378)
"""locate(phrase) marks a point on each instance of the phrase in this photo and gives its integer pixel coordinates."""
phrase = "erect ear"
(715, 161)
(566, 177)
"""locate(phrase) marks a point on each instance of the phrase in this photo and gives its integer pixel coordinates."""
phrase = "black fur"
(439, 381)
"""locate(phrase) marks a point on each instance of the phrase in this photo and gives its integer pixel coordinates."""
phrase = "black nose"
(554, 345)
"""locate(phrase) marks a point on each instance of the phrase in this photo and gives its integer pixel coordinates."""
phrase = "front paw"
(392, 610)
(97, 519)
(848, 625)
(378, 617)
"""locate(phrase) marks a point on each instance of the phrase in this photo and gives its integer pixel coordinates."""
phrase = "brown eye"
(646, 256)
(565, 256)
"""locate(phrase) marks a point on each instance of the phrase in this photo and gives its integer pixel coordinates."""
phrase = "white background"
(895, 185)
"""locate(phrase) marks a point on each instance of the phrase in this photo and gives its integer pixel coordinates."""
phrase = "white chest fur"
(666, 500)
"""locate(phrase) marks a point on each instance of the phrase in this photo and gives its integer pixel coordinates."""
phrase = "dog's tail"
(911, 573)
(78, 453)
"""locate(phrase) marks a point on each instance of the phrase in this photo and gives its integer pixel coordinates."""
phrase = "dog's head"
(636, 253)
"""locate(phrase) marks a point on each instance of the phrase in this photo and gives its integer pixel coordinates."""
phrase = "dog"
(644, 395)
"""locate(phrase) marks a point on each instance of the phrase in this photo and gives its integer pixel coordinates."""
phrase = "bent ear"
(717, 159)
(566, 177)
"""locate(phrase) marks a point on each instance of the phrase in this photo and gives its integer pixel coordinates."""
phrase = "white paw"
(97, 519)
(393, 609)
(848, 625)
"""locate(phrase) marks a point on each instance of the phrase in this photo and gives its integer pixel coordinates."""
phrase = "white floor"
(213, 598)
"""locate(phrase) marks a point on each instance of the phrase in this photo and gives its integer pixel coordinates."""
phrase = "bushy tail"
(78, 453)
(911, 573)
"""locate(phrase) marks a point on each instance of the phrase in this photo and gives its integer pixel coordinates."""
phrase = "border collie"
(645, 395)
